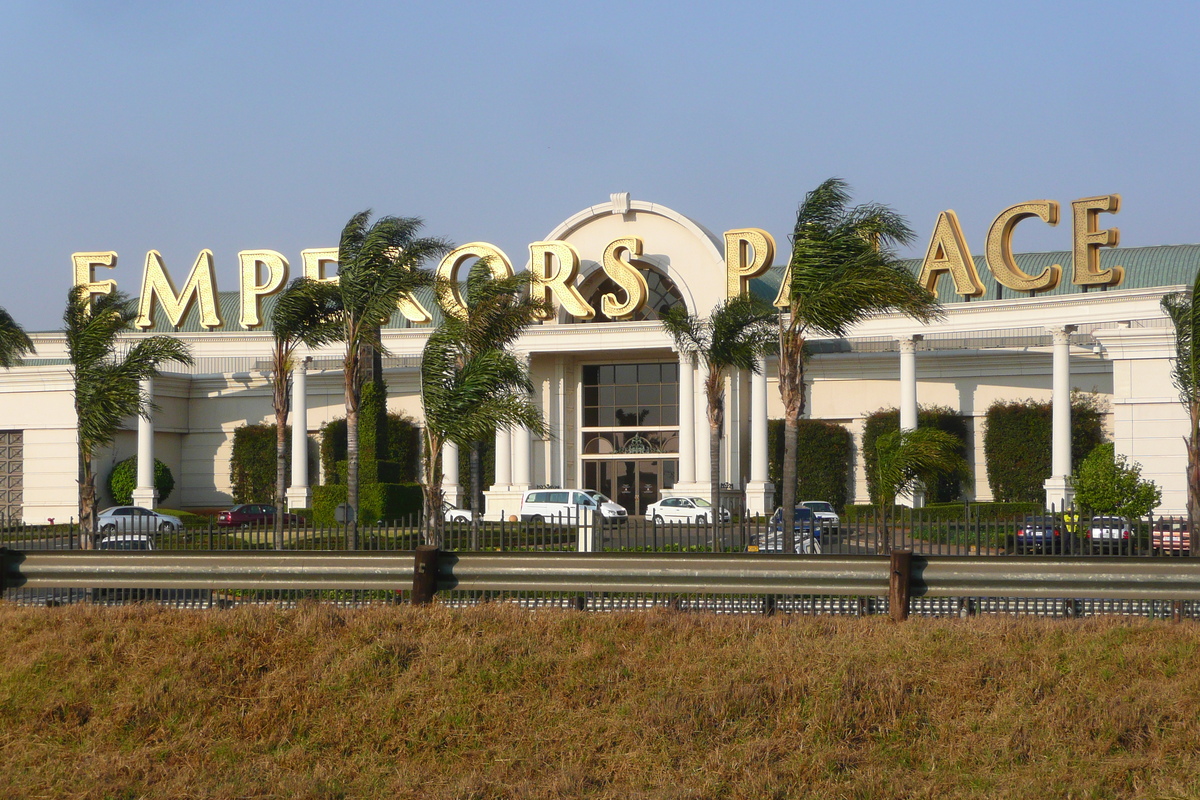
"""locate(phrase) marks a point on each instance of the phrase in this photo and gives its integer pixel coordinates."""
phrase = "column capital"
(908, 344)
(1062, 334)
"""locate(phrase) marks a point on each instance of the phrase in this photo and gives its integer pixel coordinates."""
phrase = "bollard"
(425, 568)
(898, 584)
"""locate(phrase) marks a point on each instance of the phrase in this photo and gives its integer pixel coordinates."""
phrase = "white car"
(452, 514)
(683, 509)
(126, 541)
(826, 517)
(135, 519)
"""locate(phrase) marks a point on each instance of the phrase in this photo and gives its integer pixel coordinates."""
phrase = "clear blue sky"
(132, 126)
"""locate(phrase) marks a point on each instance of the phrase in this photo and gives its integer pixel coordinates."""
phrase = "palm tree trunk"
(431, 489)
(280, 473)
(352, 467)
(714, 461)
(791, 393)
(1193, 470)
(87, 504)
(475, 476)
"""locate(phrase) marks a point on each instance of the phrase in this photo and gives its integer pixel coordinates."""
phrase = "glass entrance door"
(631, 483)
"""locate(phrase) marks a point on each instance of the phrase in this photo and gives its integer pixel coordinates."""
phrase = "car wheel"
(109, 528)
(702, 519)
(537, 519)
(244, 526)
(658, 520)
(166, 527)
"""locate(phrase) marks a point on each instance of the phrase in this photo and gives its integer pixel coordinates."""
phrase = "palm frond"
(1185, 315)
(14, 342)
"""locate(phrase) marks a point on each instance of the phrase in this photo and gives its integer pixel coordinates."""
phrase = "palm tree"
(495, 312)
(1185, 314)
(842, 271)
(306, 312)
(906, 458)
(377, 265)
(14, 342)
(107, 384)
(735, 335)
(466, 394)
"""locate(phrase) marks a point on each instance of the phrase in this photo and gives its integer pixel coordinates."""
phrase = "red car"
(254, 515)
(1171, 535)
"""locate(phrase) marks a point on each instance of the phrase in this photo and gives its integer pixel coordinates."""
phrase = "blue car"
(806, 533)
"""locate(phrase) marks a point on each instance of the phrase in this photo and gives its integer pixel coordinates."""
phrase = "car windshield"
(824, 508)
(700, 502)
(599, 498)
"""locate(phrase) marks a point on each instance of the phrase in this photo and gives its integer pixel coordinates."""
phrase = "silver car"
(135, 519)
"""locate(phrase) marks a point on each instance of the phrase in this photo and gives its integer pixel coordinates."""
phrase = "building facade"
(626, 413)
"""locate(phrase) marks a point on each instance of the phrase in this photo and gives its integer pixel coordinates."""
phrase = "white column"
(908, 405)
(760, 492)
(1059, 493)
(451, 489)
(703, 464)
(687, 420)
(145, 494)
(521, 456)
(503, 459)
(908, 382)
(299, 494)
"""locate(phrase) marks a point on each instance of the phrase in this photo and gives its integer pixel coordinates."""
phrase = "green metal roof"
(1145, 268)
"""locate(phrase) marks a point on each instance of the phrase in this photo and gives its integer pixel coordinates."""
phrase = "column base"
(502, 502)
(1060, 494)
(299, 497)
(760, 498)
(146, 498)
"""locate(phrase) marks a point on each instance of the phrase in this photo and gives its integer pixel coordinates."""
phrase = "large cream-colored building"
(626, 413)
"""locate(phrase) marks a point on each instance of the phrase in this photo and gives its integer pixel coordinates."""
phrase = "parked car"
(126, 541)
(135, 519)
(805, 533)
(827, 517)
(684, 509)
(254, 515)
(452, 514)
(568, 506)
(1170, 535)
(1040, 534)
(1111, 533)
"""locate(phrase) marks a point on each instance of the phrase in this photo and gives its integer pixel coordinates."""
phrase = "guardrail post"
(425, 567)
(898, 584)
(1177, 611)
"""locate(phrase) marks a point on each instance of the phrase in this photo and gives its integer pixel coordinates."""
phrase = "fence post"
(898, 584)
(425, 566)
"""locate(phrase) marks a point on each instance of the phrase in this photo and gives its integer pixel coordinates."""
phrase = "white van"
(573, 506)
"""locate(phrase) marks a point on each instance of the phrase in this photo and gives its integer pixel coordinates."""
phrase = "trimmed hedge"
(947, 489)
(390, 502)
(252, 466)
(956, 511)
(402, 441)
(824, 452)
(1018, 444)
(123, 480)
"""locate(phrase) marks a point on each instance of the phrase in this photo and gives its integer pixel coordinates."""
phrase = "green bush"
(390, 502)
(252, 465)
(402, 442)
(824, 454)
(946, 489)
(123, 480)
(1018, 444)
(955, 511)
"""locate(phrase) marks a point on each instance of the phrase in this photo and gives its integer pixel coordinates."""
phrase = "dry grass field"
(495, 702)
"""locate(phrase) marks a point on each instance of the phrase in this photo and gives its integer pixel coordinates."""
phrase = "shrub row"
(1018, 444)
(824, 456)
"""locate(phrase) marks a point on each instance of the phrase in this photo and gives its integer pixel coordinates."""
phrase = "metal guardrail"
(664, 573)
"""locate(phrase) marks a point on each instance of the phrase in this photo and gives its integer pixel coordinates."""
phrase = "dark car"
(806, 534)
(1040, 534)
(254, 515)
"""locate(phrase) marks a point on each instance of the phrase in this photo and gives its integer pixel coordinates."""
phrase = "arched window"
(662, 294)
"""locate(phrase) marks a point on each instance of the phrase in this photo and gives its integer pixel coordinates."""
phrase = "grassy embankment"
(496, 702)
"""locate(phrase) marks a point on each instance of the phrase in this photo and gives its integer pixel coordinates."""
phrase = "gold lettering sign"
(739, 267)
(1089, 239)
(252, 291)
(626, 275)
(948, 252)
(85, 265)
(200, 288)
(449, 296)
(315, 261)
(557, 283)
(999, 247)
